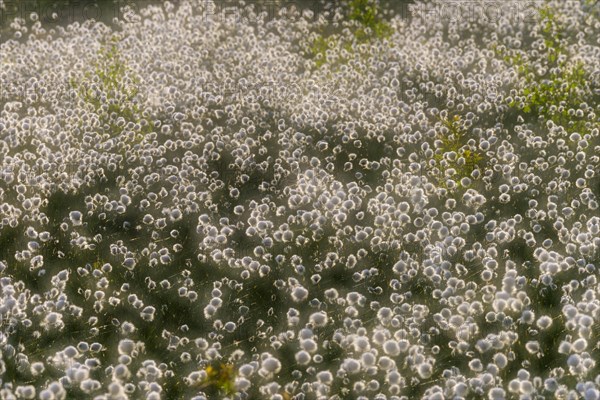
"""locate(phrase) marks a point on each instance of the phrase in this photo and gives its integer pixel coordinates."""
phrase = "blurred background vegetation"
(68, 11)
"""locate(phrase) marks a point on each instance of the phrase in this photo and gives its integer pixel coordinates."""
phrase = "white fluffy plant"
(210, 202)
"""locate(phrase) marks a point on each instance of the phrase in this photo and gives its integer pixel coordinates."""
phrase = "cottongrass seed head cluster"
(332, 205)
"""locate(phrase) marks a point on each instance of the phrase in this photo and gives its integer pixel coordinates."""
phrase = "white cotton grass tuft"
(76, 218)
(299, 294)
(351, 366)
(270, 365)
(299, 206)
(544, 322)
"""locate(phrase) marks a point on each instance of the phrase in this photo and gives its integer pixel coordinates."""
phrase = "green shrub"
(369, 26)
(564, 85)
(456, 141)
(114, 84)
(366, 13)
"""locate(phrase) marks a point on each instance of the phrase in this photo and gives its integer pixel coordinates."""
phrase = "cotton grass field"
(326, 200)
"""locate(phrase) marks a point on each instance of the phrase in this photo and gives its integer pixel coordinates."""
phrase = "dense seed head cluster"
(204, 202)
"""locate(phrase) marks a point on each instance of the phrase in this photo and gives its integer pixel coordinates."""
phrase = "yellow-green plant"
(552, 32)
(366, 13)
(369, 26)
(563, 84)
(111, 88)
(319, 49)
(220, 377)
(455, 141)
(561, 90)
